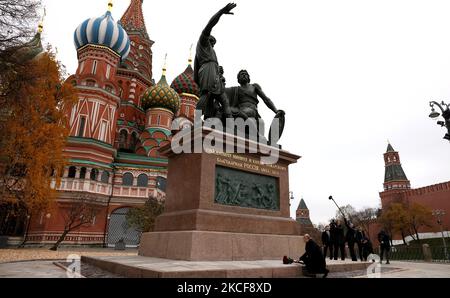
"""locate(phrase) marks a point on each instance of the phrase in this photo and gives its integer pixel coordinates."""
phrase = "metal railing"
(417, 253)
(440, 254)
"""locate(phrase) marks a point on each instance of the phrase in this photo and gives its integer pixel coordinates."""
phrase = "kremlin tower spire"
(394, 177)
(302, 213)
(303, 219)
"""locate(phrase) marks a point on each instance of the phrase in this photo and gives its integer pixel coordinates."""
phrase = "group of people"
(334, 239)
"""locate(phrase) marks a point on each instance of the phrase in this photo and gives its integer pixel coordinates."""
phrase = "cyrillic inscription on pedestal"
(244, 189)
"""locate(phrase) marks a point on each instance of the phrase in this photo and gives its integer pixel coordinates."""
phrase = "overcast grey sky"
(350, 74)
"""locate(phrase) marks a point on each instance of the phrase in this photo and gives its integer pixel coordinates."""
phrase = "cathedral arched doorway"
(118, 229)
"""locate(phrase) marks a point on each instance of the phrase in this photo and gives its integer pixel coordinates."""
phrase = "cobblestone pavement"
(24, 254)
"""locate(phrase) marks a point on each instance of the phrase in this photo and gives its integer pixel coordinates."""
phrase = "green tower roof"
(394, 173)
(390, 148)
(302, 205)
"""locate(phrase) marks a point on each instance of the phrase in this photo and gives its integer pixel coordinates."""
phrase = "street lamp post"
(438, 214)
(445, 109)
(291, 197)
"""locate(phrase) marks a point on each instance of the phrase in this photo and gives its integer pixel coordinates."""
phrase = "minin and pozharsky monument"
(226, 206)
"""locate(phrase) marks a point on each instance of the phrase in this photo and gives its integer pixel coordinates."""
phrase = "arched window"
(110, 89)
(127, 179)
(90, 83)
(123, 137)
(94, 174)
(142, 180)
(105, 177)
(83, 173)
(72, 172)
(161, 183)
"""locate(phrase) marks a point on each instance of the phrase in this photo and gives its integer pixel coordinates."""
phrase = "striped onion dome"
(185, 83)
(103, 31)
(161, 96)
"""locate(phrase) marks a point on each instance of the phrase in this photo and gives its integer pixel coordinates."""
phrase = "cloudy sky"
(350, 75)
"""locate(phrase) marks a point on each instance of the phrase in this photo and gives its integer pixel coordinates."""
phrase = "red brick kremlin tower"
(303, 219)
(395, 180)
(397, 188)
(121, 120)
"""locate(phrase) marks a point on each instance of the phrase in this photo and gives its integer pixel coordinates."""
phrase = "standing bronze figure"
(206, 70)
(244, 102)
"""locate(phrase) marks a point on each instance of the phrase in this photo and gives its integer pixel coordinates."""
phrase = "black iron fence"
(440, 253)
(418, 253)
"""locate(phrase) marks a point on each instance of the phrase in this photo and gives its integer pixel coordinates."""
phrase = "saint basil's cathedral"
(120, 121)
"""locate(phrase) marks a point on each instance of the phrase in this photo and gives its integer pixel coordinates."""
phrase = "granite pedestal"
(197, 225)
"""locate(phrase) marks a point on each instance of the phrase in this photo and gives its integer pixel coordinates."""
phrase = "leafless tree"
(365, 218)
(349, 212)
(77, 213)
(18, 21)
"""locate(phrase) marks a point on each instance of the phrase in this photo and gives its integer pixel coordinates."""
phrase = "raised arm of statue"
(213, 22)
(266, 99)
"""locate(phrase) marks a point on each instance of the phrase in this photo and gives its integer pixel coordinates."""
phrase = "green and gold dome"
(161, 96)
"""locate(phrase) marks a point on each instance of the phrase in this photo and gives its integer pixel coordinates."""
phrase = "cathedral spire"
(41, 22)
(164, 70)
(190, 55)
(133, 18)
(110, 5)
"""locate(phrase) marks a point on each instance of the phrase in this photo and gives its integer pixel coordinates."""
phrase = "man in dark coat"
(385, 245)
(313, 258)
(367, 248)
(326, 242)
(350, 238)
(359, 237)
(337, 234)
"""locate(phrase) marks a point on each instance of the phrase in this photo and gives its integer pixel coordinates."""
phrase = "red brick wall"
(434, 197)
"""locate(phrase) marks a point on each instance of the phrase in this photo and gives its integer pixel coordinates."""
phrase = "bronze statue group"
(218, 102)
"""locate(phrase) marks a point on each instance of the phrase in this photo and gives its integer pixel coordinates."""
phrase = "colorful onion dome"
(103, 31)
(161, 96)
(185, 83)
(31, 49)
